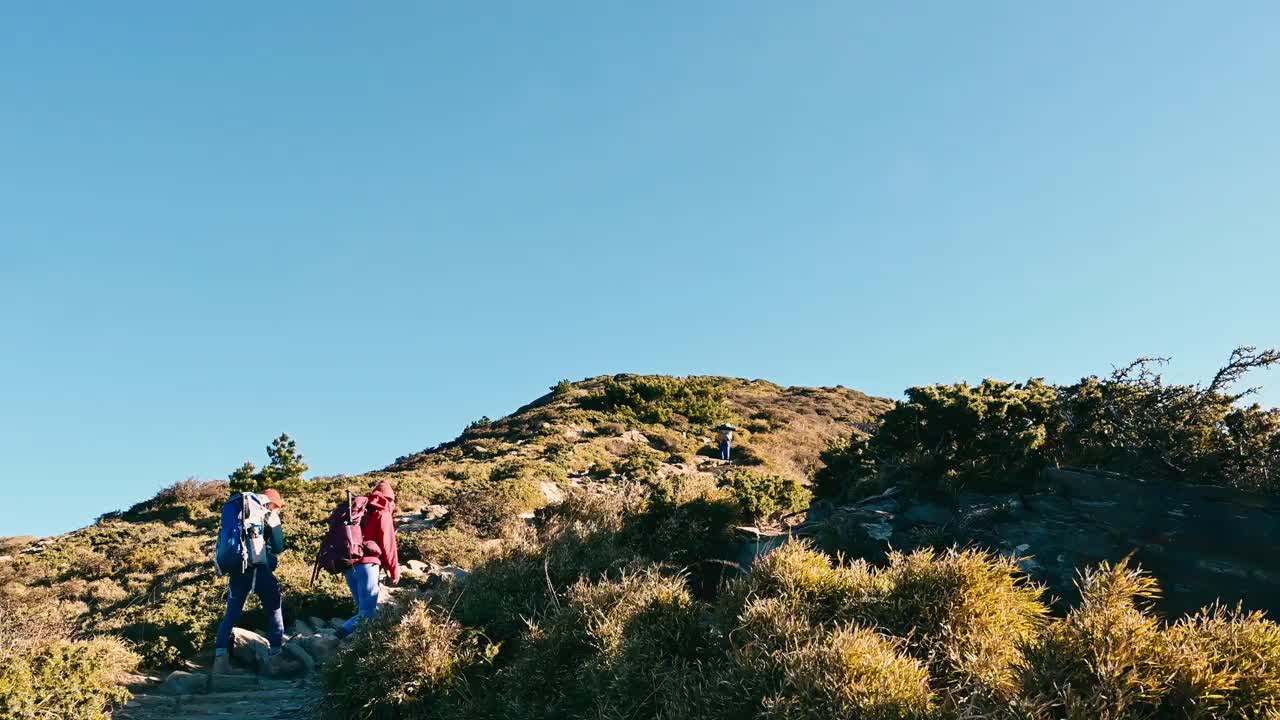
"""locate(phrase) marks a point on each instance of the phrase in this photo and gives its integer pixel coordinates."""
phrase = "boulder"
(249, 649)
(447, 575)
(180, 682)
(418, 566)
(315, 623)
(298, 654)
(321, 648)
(553, 493)
(301, 627)
(337, 623)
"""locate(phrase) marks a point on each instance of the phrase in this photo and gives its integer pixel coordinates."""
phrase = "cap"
(274, 496)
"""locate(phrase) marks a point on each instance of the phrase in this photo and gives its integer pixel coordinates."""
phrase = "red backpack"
(343, 543)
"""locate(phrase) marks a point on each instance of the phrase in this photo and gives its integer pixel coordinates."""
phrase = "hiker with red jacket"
(380, 553)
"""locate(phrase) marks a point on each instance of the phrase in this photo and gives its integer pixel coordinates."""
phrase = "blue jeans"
(263, 582)
(362, 580)
(724, 449)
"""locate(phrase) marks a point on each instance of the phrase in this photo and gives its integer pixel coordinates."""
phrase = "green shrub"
(640, 462)
(1222, 664)
(966, 613)
(65, 680)
(660, 399)
(1103, 661)
(449, 546)
(943, 438)
(852, 672)
(763, 496)
(630, 647)
(493, 512)
(400, 666)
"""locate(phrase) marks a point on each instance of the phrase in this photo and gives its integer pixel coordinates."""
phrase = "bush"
(400, 666)
(629, 647)
(764, 497)
(661, 399)
(1221, 663)
(64, 679)
(966, 613)
(1103, 660)
(640, 462)
(999, 435)
(493, 512)
(852, 672)
(449, 546)
(194, 491)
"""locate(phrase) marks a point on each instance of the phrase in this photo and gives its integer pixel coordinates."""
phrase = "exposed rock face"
(1203, 543)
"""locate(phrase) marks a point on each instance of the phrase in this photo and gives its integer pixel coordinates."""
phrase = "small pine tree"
(245, 478)
(285, 467)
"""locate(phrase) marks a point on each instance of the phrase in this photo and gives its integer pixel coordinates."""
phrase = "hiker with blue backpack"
(359, 544)
(250, 538)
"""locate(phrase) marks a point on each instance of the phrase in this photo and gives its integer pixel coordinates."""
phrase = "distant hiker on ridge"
(250, 537)
(360, 542)
(726, 440)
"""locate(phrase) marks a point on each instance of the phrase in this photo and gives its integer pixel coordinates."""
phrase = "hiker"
(249, 541)
(726, 441)
(380, 553)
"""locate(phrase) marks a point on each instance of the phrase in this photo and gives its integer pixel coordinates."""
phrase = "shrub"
(399, 666)
(1103, 661)
(449, 546)
(493, 512)
(852, 672)
(629, 647)
(943, 438)
(966, 613)
(64, 679)
(763, 496)
(660, 399)
(193, 491)
(1221, 663)
(640, 462)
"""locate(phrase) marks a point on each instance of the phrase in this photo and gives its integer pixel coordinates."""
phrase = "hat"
(274, 496)
(384, 488)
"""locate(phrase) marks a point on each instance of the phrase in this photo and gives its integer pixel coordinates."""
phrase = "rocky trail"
(263, 687)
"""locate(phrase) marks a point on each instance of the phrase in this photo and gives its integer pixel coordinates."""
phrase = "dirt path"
(201, 696)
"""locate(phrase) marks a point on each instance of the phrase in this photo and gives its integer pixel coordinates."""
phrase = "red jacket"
(379, 530)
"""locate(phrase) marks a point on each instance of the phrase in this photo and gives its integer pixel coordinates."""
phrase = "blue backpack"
(242, 535)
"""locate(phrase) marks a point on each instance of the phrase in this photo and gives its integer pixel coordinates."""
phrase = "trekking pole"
(348, 506)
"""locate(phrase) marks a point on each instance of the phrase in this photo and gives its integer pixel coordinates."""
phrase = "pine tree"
(285, 467)
(245, 478)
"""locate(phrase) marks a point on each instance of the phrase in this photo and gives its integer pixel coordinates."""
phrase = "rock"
(301, 627)
(249, 649)
(337, 623)
(928, 513)
(315, 623)
(553, 493)
(6, 558)
(634, 436)
(434, 513)
(447, 575)
(418, 566)
(300, 654)
(285, 665)
(180, 682)
(321, 648)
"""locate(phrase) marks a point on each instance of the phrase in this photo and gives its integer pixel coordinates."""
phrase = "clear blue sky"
(367, 224)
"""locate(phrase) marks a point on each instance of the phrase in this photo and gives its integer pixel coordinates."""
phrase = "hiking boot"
(222, 665)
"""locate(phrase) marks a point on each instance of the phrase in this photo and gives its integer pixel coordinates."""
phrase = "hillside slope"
(144, 574)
